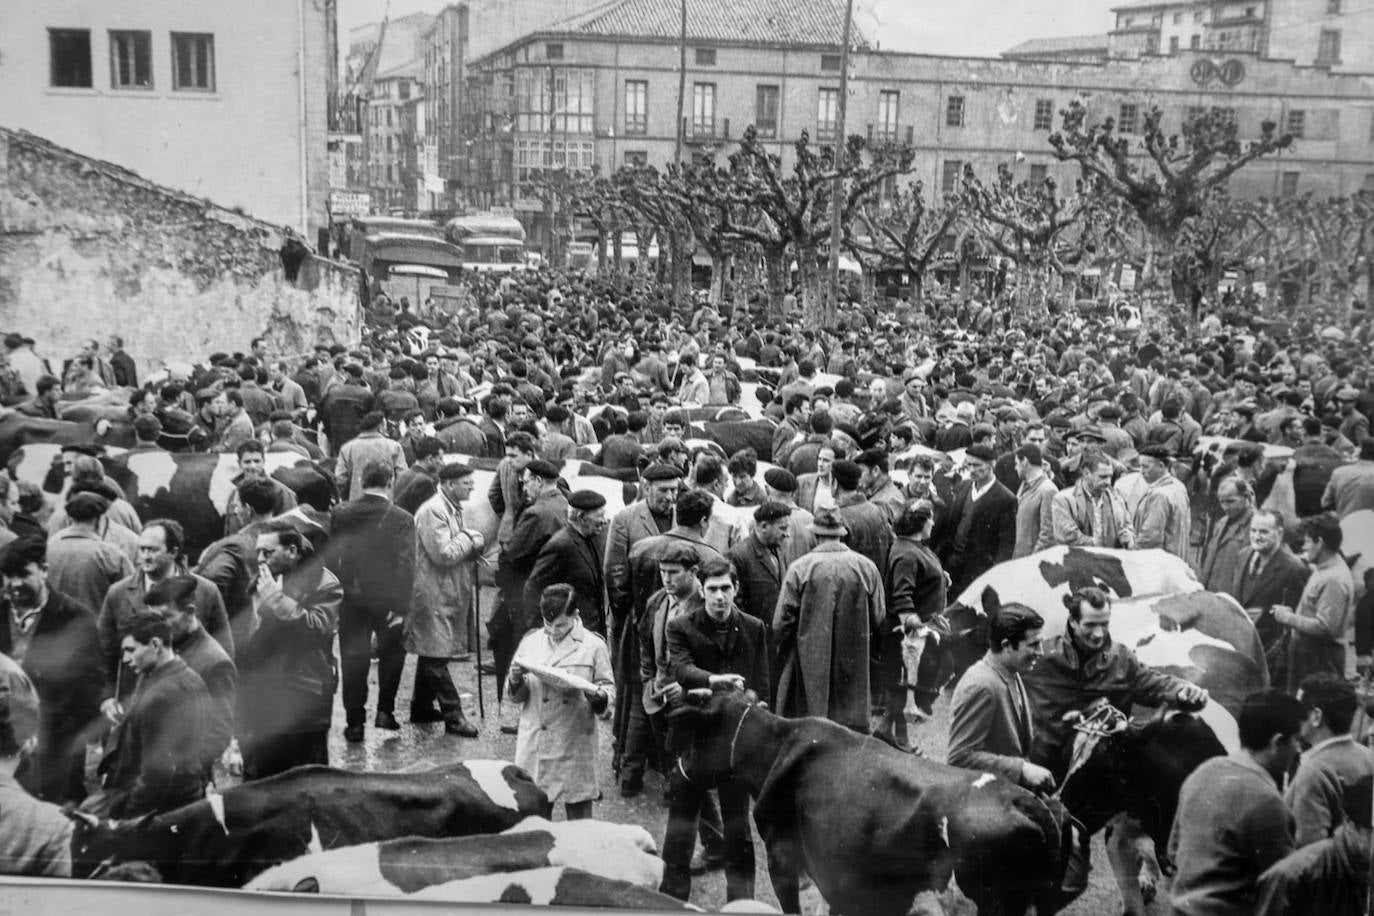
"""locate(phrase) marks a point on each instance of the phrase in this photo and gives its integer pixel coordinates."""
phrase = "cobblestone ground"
(385, 751)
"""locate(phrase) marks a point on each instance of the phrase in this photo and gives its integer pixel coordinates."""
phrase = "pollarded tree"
(901, 233)
(599, 200)
(1167, 179)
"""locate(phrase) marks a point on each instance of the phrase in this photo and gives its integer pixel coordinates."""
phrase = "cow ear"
(82, 817)
(991, 603)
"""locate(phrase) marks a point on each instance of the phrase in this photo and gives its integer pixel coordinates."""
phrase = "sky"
(967, 27)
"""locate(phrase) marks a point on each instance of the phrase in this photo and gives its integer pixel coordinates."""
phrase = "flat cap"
(586, 500)
(661, 471)
(1092, 431)
(771, 511)
(541, 468)
(981, 452)
(454, 471)
(1157, 451)
(780, 479)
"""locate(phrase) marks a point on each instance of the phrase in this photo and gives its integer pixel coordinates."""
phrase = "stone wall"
(89, 249)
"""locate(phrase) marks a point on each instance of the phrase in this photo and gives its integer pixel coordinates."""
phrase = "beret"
(981, 452)
(86, 506)
(1157, 451)
(846, 474)
(681, 554)
(1092, 432)
(771, 511)
(541, 468)
(586, 500)
(13, 340)
(354, 369)
(454, 471)
(780, 479)
(662, 472)
(1058, 421)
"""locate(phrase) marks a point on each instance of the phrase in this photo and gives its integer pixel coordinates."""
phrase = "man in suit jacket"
(714, 645)
(1268, 575)
(1229, 536)
(371, 550)
(573, 556)
(647, 518)
(980, 527)
(870, 532)
(759, 562)
(990, 725)
(54, 639)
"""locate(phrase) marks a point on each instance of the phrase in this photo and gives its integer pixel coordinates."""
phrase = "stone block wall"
(88, 249)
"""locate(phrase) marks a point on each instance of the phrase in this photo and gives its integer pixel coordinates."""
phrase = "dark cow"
(873, 827)
(624, 852)
(227, 839)
(734, 435)
(552, 887)
(18, 430)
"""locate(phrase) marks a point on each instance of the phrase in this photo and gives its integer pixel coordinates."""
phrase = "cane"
(477, 634)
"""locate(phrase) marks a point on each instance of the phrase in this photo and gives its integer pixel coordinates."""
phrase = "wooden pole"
(837, 201)
(681, 84)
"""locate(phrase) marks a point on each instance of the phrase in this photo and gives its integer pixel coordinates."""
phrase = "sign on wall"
(1205, 71)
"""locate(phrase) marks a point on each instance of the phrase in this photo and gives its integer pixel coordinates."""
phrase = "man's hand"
(1035, 777)
(1283, 615)
(672, 694)
(596, 693)
(1191, 696)
(268, 584)
(479, 543)
(730, 681)
(516, 672)
(111, 710)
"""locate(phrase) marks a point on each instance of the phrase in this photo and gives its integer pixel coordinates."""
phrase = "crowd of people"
(797, 581)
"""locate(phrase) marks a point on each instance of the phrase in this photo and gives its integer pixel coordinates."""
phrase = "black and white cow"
(557, 886)
(623, 852)
(225, 840)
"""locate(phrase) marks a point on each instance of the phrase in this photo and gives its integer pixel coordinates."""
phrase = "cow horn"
(90, 820)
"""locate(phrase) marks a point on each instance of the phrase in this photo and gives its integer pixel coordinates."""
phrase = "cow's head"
(1140, 770)
(705, 732)
(964, 632)
(100, 845)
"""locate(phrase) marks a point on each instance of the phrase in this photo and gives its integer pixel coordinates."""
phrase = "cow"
(873, 827)
(1357, 544)
(18, 430)
(1137, 769)
(734, 435)
(552, 887)
(226, 840)
(624, 852)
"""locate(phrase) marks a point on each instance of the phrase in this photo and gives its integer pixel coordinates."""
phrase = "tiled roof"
(1152, 4)
(776, 22)
(1060, 45)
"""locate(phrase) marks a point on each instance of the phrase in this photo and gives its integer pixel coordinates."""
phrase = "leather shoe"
(460, 727)
(354, 734)
(702, 862)
(421, 716)
(631, 788)
(387, 721)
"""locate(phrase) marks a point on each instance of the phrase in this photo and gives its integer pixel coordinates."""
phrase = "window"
(404, 89)
(1195, 42)
(1178, 17)
(636, 106)
(193, 62)
(1044, 114)
(571, 100)
(1288, 184)
(553, 51)
(131, 60)
(1197, 17)
(1297, 120)
(827, 113)
(1173, 44)
(949, 177)
(1129, 120)
(388, 117)
(69, 58)
(1329, 47)
(830, 62)
(533, 156)
(1333, 6)
(766, 111)
(1368, 184)
(1249, 12)
(954, 111)
(1038, 173)
(888, 103)
(705, 57)
(704, 109)
(636, 158)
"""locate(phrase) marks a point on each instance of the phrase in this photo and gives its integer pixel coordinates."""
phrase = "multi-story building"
(1071, 48)
(168, 89)
(601, 90)
(1171, 26)
(1338, 34)
(390, 137)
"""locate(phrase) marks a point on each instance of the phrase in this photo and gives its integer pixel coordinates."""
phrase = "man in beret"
(573, 556)
(781, 486)
(758, 561)
(870, 532)
(1164, 517)
(544, 515)
(441, 625)
(80, 563)
(979, 529)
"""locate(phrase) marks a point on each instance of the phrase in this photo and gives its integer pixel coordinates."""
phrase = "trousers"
(434, 684)
(272, 754)
(685, 802)
(355, 658)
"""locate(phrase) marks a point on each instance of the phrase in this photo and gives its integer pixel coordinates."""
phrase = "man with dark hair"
(154, 756)
(759, 563)
(253, 465)
(233, 427)
(990, 719)
(742, 466)
(179, 597)
(231, 562)
(1325, 611)
(1231, 823)
(980, 528)
(287, 674)
(1034, 502)
(804, 455)
(1336, 774)
(870, 532)
(371, 550)
(713, 645)
(418, 483)
(877, 486)
(54, 639)
(1091, 513)
(1164, 517)
(344, 405)
(368, 446)
(47, 392)
(790, 432)
(125, 373)
(80, 563)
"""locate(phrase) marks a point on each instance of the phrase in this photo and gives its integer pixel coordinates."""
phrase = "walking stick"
(477, 632)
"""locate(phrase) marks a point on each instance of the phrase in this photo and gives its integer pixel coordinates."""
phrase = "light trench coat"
(557, 742)
(439, 624)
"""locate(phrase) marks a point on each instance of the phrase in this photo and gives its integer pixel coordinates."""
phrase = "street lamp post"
(837, 202)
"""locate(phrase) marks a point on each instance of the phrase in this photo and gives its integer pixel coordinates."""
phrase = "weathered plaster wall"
(88, 249)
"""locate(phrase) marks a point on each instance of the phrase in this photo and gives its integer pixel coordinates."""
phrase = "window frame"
(773, 91)
(1039, 173)
(637, 123)
(205, 41)
(830, 63)
(704, 57)
(1288, 183)
(1126, 125)
(950, 178)
(553, 50)
(824, 133)
(889, 115)
(1043, 107)
(703, 122)
(116, 38)
(956, 111)
(1328, 37)
(1296, 123)
(88, 71)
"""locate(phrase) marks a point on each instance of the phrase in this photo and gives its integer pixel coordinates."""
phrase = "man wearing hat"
(544, 515)
(80, 563)
(781, 486)
(980, 526)
(1164, 517)
(441, 625)
(759, 563)
(870, 532)
(37, 839)
(1354, 424)
(648, 517)
(573, 556)
(830, 602)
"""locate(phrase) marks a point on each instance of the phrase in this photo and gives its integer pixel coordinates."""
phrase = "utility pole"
(548, 174)
(681, 84)
(837, 195)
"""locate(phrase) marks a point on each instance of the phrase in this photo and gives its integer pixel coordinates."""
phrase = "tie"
(1256, 561)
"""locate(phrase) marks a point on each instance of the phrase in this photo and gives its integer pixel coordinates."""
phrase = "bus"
(403, 257)
(489, 242)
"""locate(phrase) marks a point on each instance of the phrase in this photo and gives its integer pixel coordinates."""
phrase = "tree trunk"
(601, 255)
(775, 265)
(815, 304)
(618, 249)
(870, 288)
(720, 264)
